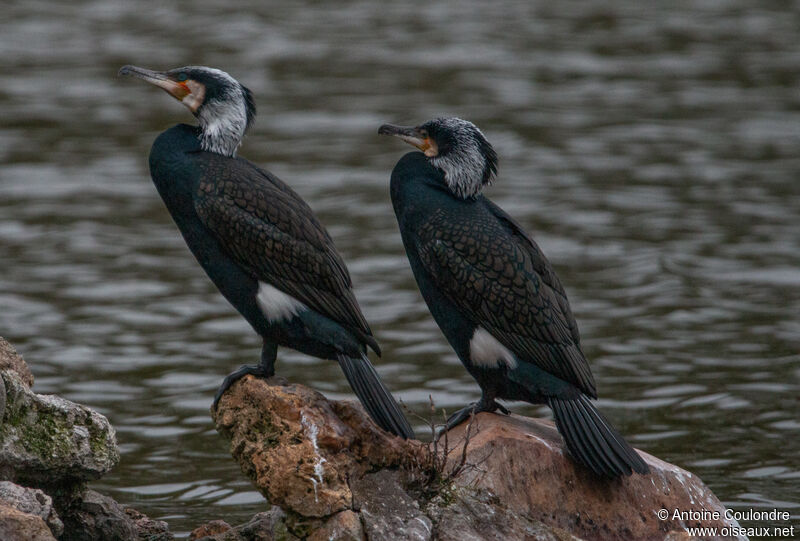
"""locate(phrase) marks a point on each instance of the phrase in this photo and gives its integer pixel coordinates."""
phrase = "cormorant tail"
(592, 440)
(374, 396)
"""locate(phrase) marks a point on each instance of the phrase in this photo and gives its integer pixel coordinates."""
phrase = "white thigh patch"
(487, 352)
(277, 305)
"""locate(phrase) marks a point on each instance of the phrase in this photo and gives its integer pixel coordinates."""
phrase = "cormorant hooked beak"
(187, 91)
(413, 136)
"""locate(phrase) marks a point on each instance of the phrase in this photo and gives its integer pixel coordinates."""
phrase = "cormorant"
(258, 241)
(493, 292)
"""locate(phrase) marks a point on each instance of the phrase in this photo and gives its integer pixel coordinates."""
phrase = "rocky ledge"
(329, 473)
(49, 449)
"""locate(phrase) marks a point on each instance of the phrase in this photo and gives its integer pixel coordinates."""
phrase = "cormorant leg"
(269, 353)
(484, 404)
(264, 369)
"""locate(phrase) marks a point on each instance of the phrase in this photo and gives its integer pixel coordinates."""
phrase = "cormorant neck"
(222, 126)
(466, 171)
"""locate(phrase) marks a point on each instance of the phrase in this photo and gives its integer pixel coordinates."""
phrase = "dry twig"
(439, 471)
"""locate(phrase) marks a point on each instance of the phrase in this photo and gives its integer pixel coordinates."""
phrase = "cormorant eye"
(181, 77)
(423, 134)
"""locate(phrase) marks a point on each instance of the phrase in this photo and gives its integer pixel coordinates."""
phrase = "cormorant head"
(224, 108)
(456, 147)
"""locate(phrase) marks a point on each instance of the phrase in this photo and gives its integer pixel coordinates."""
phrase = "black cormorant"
(258, 241)
(493, 292)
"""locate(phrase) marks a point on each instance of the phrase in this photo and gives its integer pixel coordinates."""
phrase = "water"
(650, 149)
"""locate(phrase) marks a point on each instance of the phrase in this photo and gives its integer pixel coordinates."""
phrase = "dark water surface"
(653, 149)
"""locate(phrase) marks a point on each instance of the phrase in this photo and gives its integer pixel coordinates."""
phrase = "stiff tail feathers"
(592, 440)
(374, 396)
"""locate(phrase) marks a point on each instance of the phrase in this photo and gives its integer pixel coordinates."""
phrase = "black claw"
(458, 417)
(461, 415)
(465, 413)
(257, 370)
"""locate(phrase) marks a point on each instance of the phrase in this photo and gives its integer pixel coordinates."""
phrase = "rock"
(148, 529)
(90, 517)
(11, 360)
(33, 502)
(387, 510)
(58, 446)
(2, 398)
(266, 526)
(463, 514)
(300, 449)
(18, 526)
(336, 475)
(343, 526)
(210, 529)
(523, 463)
(94, 517)
(276, 525)
(48, 441)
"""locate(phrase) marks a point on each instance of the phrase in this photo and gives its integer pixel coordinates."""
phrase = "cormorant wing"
(500, 280)
(267, 229)
(541, 265)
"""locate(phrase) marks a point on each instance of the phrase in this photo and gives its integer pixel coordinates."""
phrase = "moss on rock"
(47, 440)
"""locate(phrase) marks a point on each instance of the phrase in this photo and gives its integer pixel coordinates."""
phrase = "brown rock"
(344, 526)
(463, 514)
(300, 449)
(11, 360)
(31, 501)
(336, 475)
(18, 526)
(212, 528)
(267, 526)
(523, 463)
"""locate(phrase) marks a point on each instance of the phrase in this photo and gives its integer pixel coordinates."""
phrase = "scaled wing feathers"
(270, 231)
(502, 282)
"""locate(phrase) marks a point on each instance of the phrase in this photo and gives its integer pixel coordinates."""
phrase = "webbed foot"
(463, 414)
(257, 370)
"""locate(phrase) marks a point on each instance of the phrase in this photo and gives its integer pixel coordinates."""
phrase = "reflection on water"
(651, 150)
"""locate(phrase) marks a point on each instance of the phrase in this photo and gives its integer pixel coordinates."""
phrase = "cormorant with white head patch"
(258, 241)
(493, 292)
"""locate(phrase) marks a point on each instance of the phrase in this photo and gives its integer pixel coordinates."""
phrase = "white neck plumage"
(222, 126)
(464, 171)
